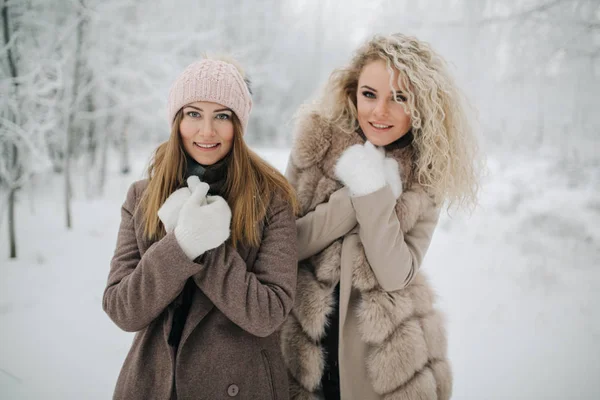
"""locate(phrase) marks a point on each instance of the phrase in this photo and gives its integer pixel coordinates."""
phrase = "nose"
(207, 128)
(381, 108)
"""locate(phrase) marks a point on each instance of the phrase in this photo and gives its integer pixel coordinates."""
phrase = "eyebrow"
(368, 87)
(214, 111)
(374, 90)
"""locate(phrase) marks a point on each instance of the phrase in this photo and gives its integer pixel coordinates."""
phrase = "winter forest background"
(83, 89)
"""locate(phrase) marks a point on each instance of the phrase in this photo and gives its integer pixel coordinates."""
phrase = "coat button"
(233, 390)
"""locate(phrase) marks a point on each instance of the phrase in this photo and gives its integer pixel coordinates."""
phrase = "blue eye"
(193, 114)
(368, 94)
(223, 116)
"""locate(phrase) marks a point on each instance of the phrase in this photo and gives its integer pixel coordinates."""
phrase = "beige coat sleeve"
(394, 257)
(139, 288)
(329, 221)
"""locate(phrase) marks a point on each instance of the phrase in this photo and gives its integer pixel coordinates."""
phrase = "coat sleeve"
(259, 300)
(394, 257)
(139, 288)
(319, 228)
(329, 221)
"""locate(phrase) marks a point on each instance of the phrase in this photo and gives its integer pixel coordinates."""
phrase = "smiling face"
(206, 131)
(381, 118)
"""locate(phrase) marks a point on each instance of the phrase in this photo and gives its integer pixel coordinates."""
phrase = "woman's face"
(381, 118)
(206, 130)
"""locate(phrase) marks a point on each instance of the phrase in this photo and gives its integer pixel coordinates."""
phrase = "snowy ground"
(519, 281)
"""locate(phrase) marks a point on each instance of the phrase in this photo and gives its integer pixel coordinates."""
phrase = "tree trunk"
(540, 121)
(125, 164)
(15, 159)
(104, 157)
(91, 184)
(72, 104)
(11, 223)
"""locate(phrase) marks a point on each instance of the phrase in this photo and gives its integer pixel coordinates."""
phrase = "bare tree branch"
(7, 40)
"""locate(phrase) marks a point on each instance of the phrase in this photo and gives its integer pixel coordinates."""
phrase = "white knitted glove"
(169, 211)
(392, 176)
(203, 223)
(360, 167)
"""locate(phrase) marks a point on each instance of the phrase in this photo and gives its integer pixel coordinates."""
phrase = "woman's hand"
(360, 167)
(203, 223)
(365, 170)
(169, 211)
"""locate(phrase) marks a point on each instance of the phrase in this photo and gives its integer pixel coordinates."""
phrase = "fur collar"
(317, 141)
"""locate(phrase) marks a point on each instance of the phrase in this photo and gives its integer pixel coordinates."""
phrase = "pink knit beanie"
(215, 81)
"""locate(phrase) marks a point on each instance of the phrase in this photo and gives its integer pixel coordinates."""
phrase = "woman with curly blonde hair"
(373, 161)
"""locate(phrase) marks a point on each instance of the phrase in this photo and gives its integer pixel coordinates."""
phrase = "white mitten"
(169, 211)
(392, 176)
(203, 223)
(360, 167)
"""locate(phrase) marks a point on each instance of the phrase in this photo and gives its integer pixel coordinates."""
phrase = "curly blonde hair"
(448, 163)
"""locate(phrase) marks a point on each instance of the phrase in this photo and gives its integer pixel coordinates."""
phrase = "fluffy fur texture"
(203, 223)
(407, 356)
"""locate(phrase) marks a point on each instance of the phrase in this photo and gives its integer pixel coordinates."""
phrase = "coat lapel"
(200, 307)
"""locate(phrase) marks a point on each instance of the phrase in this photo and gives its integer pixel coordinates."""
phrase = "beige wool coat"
(229, 346)
(392, 343)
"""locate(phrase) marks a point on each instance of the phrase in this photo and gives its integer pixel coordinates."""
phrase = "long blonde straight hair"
(251, 183)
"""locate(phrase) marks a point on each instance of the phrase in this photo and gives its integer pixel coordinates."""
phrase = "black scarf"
(215, 175)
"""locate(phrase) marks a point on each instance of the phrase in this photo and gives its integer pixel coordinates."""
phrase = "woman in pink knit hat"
(205, 263)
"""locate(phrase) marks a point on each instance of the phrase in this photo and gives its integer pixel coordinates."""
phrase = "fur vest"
(405, 335)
